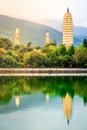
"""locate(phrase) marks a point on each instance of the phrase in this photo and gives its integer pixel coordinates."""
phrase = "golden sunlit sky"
(45, 9)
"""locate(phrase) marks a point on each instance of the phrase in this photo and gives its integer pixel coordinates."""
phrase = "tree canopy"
(51, 55)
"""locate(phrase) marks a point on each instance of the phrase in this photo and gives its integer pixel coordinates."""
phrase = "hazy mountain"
(31, 31)
(57, 24)
(79, 32)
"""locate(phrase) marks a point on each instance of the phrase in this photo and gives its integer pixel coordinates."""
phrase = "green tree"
(16, 47)
(71, 50)
(85, 43)
(2, 54)
(62, 50)
(80, 57)
(6, 43)
(16, 56)
(29, 44)
(35, 59)
(9, 62)
(66, 61)
(51, 60)
(55, 42)
(48, 48)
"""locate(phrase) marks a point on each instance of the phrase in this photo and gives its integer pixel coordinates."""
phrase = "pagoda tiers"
(17, 36)
(68, 29)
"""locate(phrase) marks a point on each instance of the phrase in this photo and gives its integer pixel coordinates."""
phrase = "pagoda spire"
(68, 32)
(68, 122)
(67, 9)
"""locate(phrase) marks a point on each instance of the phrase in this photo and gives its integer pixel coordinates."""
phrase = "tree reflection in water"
(64, 87)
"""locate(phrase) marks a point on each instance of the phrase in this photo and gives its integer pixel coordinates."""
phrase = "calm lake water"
(43, 103)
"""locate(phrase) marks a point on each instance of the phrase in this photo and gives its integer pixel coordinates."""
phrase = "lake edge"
(43, 71)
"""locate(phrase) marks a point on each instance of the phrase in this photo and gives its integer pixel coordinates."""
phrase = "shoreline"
(43, 71)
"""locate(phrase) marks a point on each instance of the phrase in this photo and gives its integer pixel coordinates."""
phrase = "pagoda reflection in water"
(68, 106)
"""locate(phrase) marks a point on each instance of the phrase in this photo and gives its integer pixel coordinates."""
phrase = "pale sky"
(50, 9)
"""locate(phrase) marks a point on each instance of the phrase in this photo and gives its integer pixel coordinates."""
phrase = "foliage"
(85, 43)
(62, 50)
(71, 50)
(48, 48)
(50, 55)
(2, 53)
(9, 61)
(5, 43)
(80, 56)
(35, 59)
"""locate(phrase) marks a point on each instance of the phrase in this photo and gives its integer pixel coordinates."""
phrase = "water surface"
(43, 103)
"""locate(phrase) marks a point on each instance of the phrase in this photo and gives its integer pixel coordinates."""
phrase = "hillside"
(79, 32)
(30, 31)
(57, 24)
